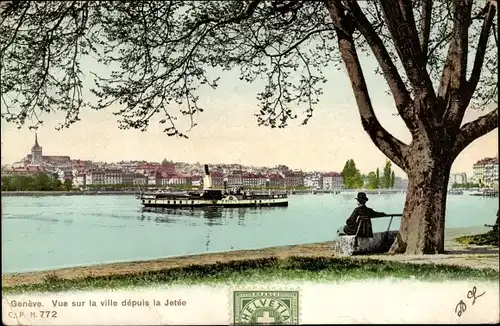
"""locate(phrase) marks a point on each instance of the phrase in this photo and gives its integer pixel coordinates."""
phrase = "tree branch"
(425, 28)
(475, 129)
(401, 24)
(393, 148)
(296, 44)
(490, 10)
(453, 79)
(402, 98)
(27, 4)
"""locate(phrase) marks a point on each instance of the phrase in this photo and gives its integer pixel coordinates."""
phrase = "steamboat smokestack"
(207, 180)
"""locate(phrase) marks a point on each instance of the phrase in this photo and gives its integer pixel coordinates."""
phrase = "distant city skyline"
(159, 160)
(227, 132)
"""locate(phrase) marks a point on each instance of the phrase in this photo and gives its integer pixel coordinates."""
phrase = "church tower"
(36, 152)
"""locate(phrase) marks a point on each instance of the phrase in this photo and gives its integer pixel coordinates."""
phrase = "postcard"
(249, 162)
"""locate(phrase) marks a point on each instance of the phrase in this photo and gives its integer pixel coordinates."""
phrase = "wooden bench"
(365, 241)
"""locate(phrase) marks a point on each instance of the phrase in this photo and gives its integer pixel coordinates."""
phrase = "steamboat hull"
(186, 203)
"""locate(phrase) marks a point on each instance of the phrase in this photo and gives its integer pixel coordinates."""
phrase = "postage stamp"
(266, 307)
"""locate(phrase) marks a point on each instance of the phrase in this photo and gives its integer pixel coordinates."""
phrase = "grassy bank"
(486, 239)
(264, 269)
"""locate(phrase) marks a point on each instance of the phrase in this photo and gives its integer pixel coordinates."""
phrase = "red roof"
(147, 166)
(33, 168)
(253, 175)
(332, 174)
(167, 175)
(487, 160)
(274, 176)
(294, 174)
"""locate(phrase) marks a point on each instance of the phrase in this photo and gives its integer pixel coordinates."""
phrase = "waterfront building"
(179, 179)
(294, 179)
(485, 171)
(128, 178)
(151, 178)
(333, 180)
(400, 183)
(197, 180)
(140, 179)
(172, 179)
(155, 178)
(458, 178)
(217, 178)
(276, 180)
(113, 177)
(79, 180)
(97, 177)
(67, 177)
(253, 180)
(63, 175)
(234, 180)
(314, 181)
(491, 173)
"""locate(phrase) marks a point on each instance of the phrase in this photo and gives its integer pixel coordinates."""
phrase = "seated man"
(361, 210)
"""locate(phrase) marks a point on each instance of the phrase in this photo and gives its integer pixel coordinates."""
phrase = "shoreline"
(48, 193)
(65, 193)
(476, 257)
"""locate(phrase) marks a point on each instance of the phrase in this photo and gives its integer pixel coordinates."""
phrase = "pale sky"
(228, 133)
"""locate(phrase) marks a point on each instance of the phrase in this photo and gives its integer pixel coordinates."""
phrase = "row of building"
(85, 173)
(141, 177)
(485, 172)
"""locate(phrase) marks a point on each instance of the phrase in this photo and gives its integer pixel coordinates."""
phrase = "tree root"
(398, 247)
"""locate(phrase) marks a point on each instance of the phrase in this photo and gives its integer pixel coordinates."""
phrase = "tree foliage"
(388, 177)
(161, 53)
(351, 176)
(466, 185)
(37, 182)
(67, 185)
(373, 181)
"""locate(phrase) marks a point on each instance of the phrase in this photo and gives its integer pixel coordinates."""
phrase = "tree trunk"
(422, 225)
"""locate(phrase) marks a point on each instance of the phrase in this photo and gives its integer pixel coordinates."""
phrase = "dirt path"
(457, 254)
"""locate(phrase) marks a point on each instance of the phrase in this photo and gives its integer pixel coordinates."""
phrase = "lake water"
(41, 233)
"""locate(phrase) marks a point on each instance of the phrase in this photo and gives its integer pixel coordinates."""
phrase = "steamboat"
(210, 197)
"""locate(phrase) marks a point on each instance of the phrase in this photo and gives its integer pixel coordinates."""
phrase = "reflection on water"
(212, 215)
(36, 218)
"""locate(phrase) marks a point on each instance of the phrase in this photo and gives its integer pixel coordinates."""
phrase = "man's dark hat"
(361, 196)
